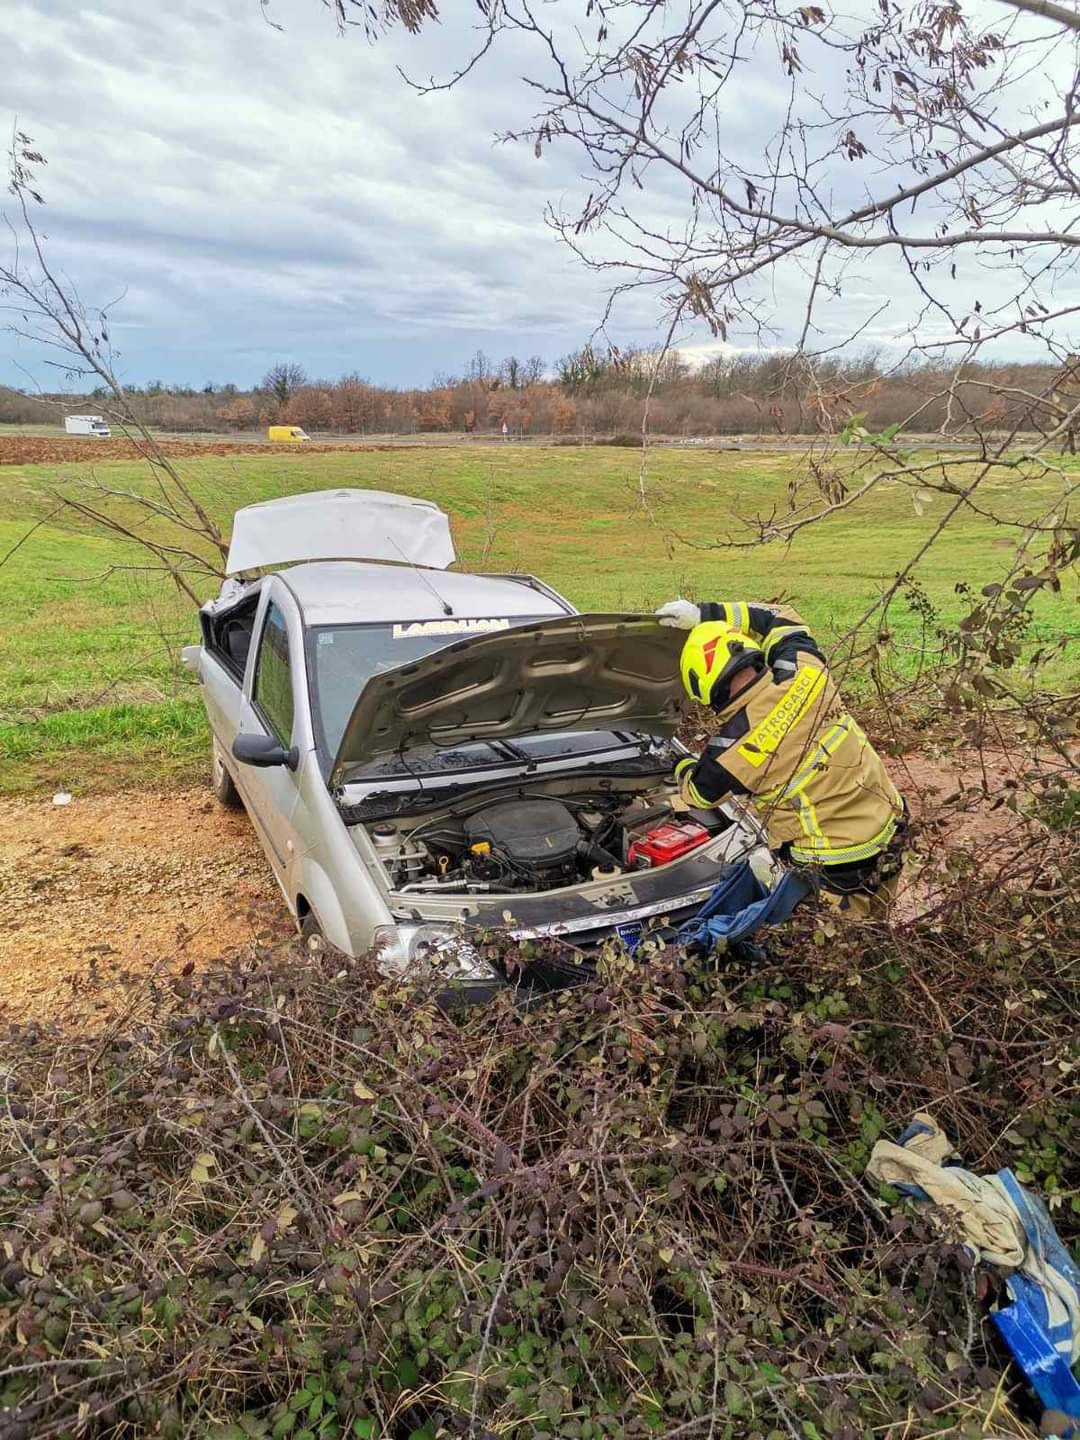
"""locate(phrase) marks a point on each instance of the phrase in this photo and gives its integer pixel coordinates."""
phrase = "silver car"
(427, 754)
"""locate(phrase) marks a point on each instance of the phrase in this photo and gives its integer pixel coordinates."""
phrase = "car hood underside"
(578, 672)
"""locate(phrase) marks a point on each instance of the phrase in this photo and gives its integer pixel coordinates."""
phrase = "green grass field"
(91, 691)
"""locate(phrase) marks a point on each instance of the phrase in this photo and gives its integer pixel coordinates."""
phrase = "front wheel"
(312, 939)
(224, 785)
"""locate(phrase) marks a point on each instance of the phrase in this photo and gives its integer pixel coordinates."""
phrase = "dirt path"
(926, 783)
(138, 879)
(53, 449)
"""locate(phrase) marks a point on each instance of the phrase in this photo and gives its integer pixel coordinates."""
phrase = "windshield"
(342, 659)
(345, 657)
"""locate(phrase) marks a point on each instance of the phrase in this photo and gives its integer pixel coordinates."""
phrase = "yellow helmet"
(715, 652)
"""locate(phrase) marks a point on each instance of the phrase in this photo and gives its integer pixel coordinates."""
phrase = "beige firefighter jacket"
(818, 785)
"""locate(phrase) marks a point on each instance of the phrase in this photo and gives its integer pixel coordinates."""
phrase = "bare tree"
(482, 370)
(374, 16)
(910, 172)
(517, 374)
(282, 379)
(165, 522)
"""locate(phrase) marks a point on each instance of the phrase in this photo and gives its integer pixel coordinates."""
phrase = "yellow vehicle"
(286, 435)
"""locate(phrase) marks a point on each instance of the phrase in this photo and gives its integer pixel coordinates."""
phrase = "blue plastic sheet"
(741, 904)
(1038, 1325)
(1010, 1228)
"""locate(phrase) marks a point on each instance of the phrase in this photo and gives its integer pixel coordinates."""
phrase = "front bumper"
(563, 952)
(576, 965)
(590, 931)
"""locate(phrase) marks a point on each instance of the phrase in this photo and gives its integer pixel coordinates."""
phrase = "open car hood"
(575, 672)
(340, 525)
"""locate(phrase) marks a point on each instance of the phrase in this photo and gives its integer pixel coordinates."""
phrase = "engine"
(527, 835)
(537, 843)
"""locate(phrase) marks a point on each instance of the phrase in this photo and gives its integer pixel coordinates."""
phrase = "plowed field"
(75, 449)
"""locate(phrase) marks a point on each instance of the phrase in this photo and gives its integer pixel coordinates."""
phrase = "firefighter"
(785, 741)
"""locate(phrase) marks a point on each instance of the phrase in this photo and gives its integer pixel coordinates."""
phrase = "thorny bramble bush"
(297, 1200)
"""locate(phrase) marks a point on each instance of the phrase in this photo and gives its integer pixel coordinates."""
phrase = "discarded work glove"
(679, 614)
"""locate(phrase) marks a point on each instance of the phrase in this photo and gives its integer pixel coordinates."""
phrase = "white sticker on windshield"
(447, 627)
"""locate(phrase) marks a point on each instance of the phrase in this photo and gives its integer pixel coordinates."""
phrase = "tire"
(312, 939)
(223, 783)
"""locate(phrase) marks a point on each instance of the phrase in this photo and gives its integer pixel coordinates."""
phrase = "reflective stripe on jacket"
(815, 780)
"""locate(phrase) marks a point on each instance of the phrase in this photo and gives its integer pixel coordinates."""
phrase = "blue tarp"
(1039, 1327)
(1009, 1228)
(741, 904)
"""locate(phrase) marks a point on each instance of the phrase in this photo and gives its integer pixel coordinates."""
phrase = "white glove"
(680, 614)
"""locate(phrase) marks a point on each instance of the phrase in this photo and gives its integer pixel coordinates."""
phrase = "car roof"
(343, 592)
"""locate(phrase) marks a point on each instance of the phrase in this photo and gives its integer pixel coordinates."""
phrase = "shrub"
(297, 1200)
(628, 440)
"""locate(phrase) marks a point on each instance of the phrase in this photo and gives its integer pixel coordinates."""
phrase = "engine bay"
(539, 841)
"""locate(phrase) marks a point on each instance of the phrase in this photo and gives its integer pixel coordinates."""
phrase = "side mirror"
(264, 751)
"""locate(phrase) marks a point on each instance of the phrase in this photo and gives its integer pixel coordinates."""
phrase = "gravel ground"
(139, 879)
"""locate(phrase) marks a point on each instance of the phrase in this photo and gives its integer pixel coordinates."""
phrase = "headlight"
(408, 950)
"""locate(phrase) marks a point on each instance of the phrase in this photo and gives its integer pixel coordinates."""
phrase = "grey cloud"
(264, 194)
(254, 190)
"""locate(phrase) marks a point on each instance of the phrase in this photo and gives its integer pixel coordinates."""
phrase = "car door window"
(231, 636)
(272, 692)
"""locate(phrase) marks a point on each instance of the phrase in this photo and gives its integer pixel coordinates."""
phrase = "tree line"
(596, 391)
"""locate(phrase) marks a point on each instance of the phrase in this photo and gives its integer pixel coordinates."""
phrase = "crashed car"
(428, 755)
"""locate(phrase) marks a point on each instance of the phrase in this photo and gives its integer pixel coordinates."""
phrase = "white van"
(87, 425)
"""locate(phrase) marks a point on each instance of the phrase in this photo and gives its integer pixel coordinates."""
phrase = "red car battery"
(665, 843)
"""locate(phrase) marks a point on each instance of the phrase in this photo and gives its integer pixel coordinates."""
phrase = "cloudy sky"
(265, 194)
(262, 194)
